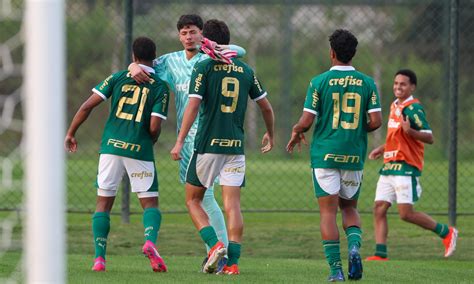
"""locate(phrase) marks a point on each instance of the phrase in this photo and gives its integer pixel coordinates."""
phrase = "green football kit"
(126, 131)
(224, 90)
(341, 99)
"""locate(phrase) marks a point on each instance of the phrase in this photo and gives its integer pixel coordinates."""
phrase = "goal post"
(44, 96)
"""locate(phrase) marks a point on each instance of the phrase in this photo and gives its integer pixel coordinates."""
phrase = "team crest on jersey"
(398, 112)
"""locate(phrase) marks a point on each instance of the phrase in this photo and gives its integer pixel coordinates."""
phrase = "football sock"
(333, 255)
(441, 230)
(216, 218)
(381, 250)
(354, 237)
(100, 230)
(208, 235)
(233, 251)
(151, 222)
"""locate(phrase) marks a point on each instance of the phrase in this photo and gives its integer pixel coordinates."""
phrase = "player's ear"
(332, 54)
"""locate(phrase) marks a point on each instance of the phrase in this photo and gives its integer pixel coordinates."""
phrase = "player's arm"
(138, 74)
(423, 136)
(197, 89)
(269, 118)
(142, 76)
(374, 121)
(310, 110)
(160, 109)
(238, 49)
(189, 116)
(377, 152)
(70, 142)
(155, 128)
(297, 133)
(416, 125)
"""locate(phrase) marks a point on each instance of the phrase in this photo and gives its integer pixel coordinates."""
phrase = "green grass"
(277, 247)
(273, 183)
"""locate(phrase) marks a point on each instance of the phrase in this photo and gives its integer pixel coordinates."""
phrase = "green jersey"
(126, 131)
(223, 89)
(341, 98)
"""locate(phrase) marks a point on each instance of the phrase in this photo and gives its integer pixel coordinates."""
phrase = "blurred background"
(287, 45)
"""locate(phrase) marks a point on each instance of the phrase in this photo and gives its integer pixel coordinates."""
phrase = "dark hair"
(144, 49)
(217, 31)
(409, 73)
(344, 44)
(189, 20)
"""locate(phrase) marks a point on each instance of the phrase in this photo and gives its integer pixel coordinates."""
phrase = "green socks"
(151, 222)
(381, 250)
(354, 237)
(100, 230)
(441, 230)
(333, 255)
(233, 251)
(208, 235)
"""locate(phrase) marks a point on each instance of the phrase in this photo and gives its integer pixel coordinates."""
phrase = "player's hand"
(70, 144)
(267, 143)
(296, 139)
(376, 153)
(175, 152)
(138, 74)
(217, 52)
(406, 124)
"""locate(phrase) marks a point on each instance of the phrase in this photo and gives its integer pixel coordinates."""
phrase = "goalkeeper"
(175, 69)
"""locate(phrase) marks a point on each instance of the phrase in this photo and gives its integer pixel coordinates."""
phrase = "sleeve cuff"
(261, 97)
(99, 93)
(374, 110)
(310, 111)
(195, 96)
(159, 115)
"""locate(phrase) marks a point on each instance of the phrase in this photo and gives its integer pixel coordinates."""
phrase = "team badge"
(398, 112)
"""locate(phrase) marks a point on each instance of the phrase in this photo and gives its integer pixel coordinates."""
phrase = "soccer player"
(347, 106)
(132, 128)
(221, 91)
(175, 68)
(403, 151)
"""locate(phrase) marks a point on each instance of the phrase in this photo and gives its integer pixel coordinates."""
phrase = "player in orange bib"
(403, 152)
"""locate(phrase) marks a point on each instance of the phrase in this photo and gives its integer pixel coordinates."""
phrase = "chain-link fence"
(287, 44)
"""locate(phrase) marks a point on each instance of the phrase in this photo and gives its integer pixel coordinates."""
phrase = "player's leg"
(209, 203)
(232, 178)
(216, 217)
(101, 229)
(235, 227)
(384, 197)
(202, 171)
(351, 182)
(217, 221)
(110, 172)
(409, 191)
(326, 184)
(144, 181)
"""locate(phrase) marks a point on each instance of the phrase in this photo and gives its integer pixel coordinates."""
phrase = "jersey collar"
(147, 68)
(342, 68)
(407, 100)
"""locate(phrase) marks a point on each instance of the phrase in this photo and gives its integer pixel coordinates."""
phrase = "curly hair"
(144, 49)
(344, 44)
(409, 73)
